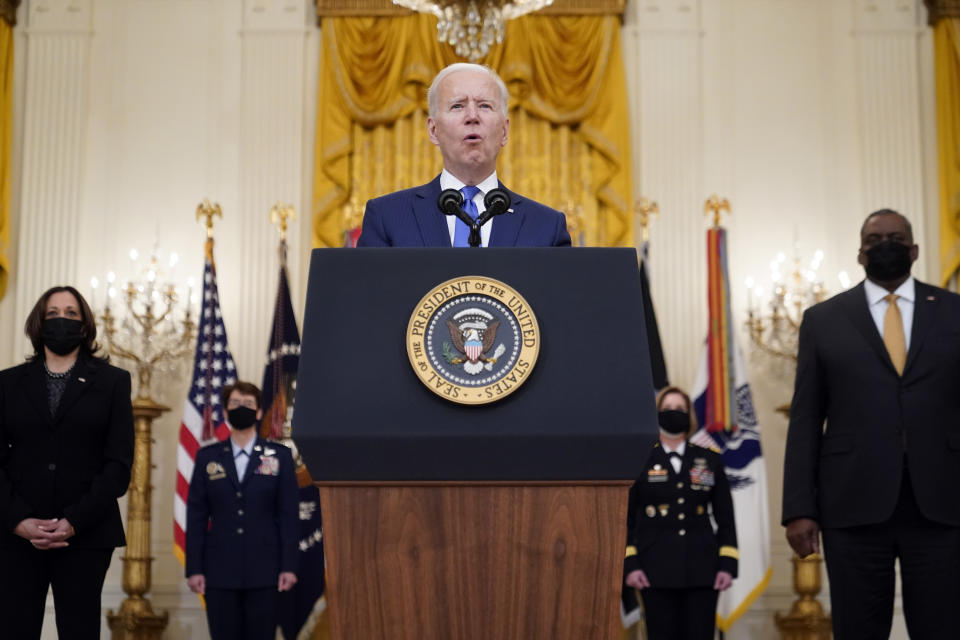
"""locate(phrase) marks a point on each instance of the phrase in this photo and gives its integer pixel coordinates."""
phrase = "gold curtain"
(569, 143)
(6, 136)
(946, 36)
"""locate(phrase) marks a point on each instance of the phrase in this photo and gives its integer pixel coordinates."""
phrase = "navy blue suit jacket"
(241, 533)
(411, 218)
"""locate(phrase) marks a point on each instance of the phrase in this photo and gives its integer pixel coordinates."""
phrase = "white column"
(886, 34)
(272, 144)
(667, 105)
(55, 107)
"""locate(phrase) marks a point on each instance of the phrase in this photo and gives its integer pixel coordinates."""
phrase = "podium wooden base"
(474, 561)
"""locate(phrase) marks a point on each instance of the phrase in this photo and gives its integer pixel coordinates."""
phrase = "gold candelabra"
(773, 321)
(806, 619)
(150, 339)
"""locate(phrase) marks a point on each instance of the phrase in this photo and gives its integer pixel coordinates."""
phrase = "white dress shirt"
(674, 461)
(878, 306)
(449, 181)
(242, 460)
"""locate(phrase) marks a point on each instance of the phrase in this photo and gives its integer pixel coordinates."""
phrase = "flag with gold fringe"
(203, 416)
(299, 608)
(725, 411)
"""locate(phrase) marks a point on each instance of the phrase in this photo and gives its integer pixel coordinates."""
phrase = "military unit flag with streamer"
(725, 411)
(203, 415)
(301, 607)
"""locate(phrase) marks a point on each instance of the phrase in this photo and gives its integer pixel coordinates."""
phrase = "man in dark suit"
(880, 364)
(468, 122)
(242, 512)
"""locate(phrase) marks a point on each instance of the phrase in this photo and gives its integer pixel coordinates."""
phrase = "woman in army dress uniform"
(674, 556)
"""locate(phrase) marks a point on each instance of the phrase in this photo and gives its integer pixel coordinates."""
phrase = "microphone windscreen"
(497, 201)
(450, 201)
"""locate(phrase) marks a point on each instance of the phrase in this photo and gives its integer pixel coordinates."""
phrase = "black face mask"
(888, 261)
(674, 422)
(61, 335)
(242, 418)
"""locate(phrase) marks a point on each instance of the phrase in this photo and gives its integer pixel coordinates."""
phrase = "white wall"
(806, 114)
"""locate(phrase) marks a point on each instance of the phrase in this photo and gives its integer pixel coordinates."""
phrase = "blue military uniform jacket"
(242, 532)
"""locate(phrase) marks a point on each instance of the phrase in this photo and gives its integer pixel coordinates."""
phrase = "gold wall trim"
(8, 11)
(356, 8)
(939, 9)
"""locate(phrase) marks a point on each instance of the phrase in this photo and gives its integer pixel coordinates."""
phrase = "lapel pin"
(82, 379)
(931, 298)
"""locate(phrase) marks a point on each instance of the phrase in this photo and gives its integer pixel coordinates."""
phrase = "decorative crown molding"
(8, 11)
(938, 9)
(341, 8)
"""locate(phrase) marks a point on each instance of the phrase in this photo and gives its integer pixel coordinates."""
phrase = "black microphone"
(451, 203)
(496, 202)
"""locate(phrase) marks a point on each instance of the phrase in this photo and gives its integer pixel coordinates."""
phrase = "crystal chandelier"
(471, 27)
(773, 317)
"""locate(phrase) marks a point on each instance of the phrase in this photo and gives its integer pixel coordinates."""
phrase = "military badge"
(473, 340)
(269, 466)
(656, 474)
(651, 511)
(701, 476)
(215, 471)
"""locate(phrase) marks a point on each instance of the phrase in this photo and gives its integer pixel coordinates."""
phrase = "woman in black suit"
(676, 559)
(66, 448)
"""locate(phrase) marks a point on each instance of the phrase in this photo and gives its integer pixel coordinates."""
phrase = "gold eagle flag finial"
(280, 215)
(714, 205)
(644, 210)
(208, 211)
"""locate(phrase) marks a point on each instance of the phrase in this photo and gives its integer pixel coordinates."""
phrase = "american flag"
(203, 418)
(301, 607)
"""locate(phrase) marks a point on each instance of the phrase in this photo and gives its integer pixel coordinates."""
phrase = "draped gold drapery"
(6, 138)
(946, 37)
(569, 132)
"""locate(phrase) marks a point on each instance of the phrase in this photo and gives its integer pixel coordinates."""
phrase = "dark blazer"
(242, 533)
(73, 465)
(849, 473)
(669, 534)
(410, 218)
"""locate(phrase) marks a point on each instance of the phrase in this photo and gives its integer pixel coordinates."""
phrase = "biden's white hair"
(465, 66)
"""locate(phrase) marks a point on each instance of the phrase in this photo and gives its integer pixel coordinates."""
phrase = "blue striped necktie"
(461, 233)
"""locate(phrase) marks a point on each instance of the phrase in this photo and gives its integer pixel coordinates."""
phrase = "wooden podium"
(494, 522)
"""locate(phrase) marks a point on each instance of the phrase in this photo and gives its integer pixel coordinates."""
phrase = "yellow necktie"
(893, 338)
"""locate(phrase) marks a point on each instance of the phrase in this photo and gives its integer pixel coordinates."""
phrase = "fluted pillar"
(667, 107)
(272, 139)
(55, 102)
(886, 34)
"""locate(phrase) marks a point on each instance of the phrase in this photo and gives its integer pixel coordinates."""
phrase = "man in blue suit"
(468, 122)
(242, 512)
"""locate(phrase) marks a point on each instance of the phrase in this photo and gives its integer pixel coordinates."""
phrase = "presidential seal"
(473, 340)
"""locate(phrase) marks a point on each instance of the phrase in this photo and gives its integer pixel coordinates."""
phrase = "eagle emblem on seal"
(473, 332)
